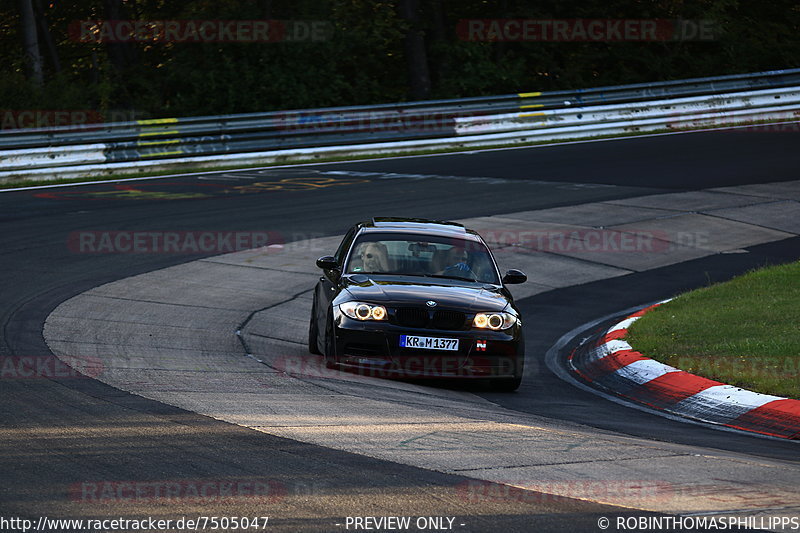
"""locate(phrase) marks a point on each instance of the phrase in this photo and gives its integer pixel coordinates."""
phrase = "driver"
(457, 261)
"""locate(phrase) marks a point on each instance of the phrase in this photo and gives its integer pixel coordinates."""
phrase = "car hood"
(468, 296)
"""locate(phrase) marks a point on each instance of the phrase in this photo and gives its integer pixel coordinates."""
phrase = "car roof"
(418, 226)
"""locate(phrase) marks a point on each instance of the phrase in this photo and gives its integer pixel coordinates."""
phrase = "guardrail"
(75, 151)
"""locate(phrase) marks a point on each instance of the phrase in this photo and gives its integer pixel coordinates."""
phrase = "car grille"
(412, 317)
(448, 320)
(415, 317)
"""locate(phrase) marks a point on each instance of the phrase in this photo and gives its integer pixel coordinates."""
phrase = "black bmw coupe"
(412, 298)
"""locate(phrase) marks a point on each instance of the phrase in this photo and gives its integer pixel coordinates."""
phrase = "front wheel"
(506, 384)
(330, 344)
(313, 333)
(512, 384)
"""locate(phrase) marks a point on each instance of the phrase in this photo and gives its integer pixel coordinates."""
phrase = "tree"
(416, 55)
(30, 43)
(44, 30)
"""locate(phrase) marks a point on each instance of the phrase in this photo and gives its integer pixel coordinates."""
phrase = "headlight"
(495, 321)
(362, 311)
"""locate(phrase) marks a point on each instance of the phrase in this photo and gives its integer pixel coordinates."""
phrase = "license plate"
(428, 343)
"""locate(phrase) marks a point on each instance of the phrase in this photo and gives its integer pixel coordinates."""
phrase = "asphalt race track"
(60, 430)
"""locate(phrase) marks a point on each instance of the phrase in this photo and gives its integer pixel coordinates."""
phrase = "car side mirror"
(327, 262)
(514, 277)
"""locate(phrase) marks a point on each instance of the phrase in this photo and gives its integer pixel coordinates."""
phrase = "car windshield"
(421, 255)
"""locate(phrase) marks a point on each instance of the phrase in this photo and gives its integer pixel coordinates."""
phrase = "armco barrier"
(399, 147)
(671, 110)
(348, 118)
(252, 139)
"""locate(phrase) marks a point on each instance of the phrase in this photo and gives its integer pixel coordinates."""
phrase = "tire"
(330, 349)
(512, 384)
(313, 333)
(506, 384)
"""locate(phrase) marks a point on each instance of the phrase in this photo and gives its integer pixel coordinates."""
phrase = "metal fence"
(92, 149)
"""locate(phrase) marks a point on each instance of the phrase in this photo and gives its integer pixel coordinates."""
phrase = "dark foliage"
(375, 51)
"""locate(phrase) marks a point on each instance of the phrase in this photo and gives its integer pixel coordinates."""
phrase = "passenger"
(374, 257)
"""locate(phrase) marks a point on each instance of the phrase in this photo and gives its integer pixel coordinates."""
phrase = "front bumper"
(373, 348)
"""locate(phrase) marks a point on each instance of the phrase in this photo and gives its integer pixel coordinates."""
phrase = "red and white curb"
(614, 365)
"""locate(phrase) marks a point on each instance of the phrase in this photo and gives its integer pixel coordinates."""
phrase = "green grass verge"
(745, 332)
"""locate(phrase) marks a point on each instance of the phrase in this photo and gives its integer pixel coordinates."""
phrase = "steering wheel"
(461, 270)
